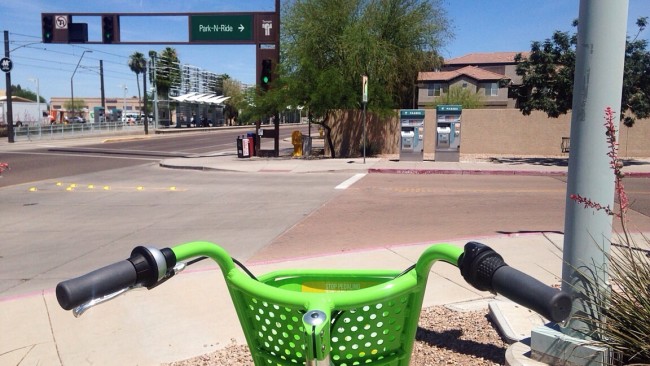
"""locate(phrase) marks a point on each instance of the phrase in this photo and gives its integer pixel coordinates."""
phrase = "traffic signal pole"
(598, 82)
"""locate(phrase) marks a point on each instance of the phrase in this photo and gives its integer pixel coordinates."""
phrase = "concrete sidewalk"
(191, 314)
(286, 164)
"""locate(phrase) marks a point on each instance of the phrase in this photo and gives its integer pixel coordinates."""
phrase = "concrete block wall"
(484, 132)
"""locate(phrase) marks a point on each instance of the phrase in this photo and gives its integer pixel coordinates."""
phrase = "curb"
(176, 130)
(470, 172)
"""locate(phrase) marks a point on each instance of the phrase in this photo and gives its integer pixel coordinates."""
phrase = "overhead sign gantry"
(261, 29)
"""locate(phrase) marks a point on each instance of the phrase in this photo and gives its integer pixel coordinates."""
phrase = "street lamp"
(38, 100)
(72, 77)
(124, 102)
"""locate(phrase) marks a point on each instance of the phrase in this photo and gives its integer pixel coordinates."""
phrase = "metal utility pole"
(364, 101)
(154, 82)
(145, 118)
(10, 112)
(38, 100)
(598, 83)
(72, 77)
(101, 83)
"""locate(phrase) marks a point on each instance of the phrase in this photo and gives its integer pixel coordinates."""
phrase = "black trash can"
(243, 148)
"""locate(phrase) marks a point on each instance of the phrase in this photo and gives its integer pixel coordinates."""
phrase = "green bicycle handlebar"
(481, 266)
(344, 316)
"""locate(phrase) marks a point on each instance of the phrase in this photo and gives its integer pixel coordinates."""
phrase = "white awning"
(201, 98)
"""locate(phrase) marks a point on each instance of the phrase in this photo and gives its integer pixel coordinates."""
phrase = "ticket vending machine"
(411, 134)
(448, 120)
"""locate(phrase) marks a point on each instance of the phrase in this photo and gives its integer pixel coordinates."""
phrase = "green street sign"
(216, 28)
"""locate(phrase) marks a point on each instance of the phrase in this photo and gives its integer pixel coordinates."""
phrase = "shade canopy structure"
(201, 98)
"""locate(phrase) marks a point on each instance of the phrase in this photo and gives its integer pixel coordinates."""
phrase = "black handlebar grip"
(98, 283)
(486, 270)
(525, 290)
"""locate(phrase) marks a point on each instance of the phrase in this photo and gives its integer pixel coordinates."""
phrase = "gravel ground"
(445, 337)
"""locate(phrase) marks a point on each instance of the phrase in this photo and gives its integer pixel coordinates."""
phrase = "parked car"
(77, 119)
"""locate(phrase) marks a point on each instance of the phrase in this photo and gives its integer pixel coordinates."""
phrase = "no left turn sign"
(61, 22)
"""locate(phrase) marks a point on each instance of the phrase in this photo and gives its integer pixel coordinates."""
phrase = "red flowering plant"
(3, 167)
(625, 322)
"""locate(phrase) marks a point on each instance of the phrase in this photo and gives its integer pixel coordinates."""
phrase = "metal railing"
(62, 131)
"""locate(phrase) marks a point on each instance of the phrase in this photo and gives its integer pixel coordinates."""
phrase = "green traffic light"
(265, 79)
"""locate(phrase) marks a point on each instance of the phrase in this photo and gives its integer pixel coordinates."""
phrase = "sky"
(477, 25)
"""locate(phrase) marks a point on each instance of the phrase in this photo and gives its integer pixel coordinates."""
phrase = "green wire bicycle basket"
(333, 317)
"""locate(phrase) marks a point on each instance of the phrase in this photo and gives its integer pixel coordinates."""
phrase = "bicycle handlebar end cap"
(63, 296)
(561, 305)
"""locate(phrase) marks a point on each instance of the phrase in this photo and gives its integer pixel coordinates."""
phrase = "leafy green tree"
(168, 73)
(232, 88)
(547, 76)
(78, 105)
(328, 44)
(18, 91)
(457, 95)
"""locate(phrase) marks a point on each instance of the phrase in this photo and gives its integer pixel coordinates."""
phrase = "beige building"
(126, 105)
(489, 74)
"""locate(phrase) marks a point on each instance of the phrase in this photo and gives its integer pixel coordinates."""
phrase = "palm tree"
(167, 73)
(138, 64)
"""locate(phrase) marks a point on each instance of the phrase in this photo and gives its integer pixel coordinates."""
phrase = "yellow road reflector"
(172, 188)
(33, 189)
(140, 188)
(59, 184)
(71, 188)
(91, 186)
(107, 188)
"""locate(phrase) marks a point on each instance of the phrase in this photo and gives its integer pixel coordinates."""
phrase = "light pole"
(124, 103)
(72, 77)
(38, 100)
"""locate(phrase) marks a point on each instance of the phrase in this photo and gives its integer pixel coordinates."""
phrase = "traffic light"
(47, 24)
(110, 28)
(267, 73)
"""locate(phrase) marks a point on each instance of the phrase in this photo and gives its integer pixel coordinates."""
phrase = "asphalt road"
(100, 205)
(384, 210)
(46, 159)
(59, 228)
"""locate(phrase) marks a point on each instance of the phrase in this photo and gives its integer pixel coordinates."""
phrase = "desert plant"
(624, 307)
(458, 95)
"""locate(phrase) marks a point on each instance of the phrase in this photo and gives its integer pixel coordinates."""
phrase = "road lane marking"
(346, 184)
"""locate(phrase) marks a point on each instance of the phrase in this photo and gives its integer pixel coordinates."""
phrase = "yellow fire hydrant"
(296, 140)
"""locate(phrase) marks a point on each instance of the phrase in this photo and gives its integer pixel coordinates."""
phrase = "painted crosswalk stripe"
(346, 184)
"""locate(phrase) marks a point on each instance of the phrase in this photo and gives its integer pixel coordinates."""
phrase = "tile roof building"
(483, 73)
